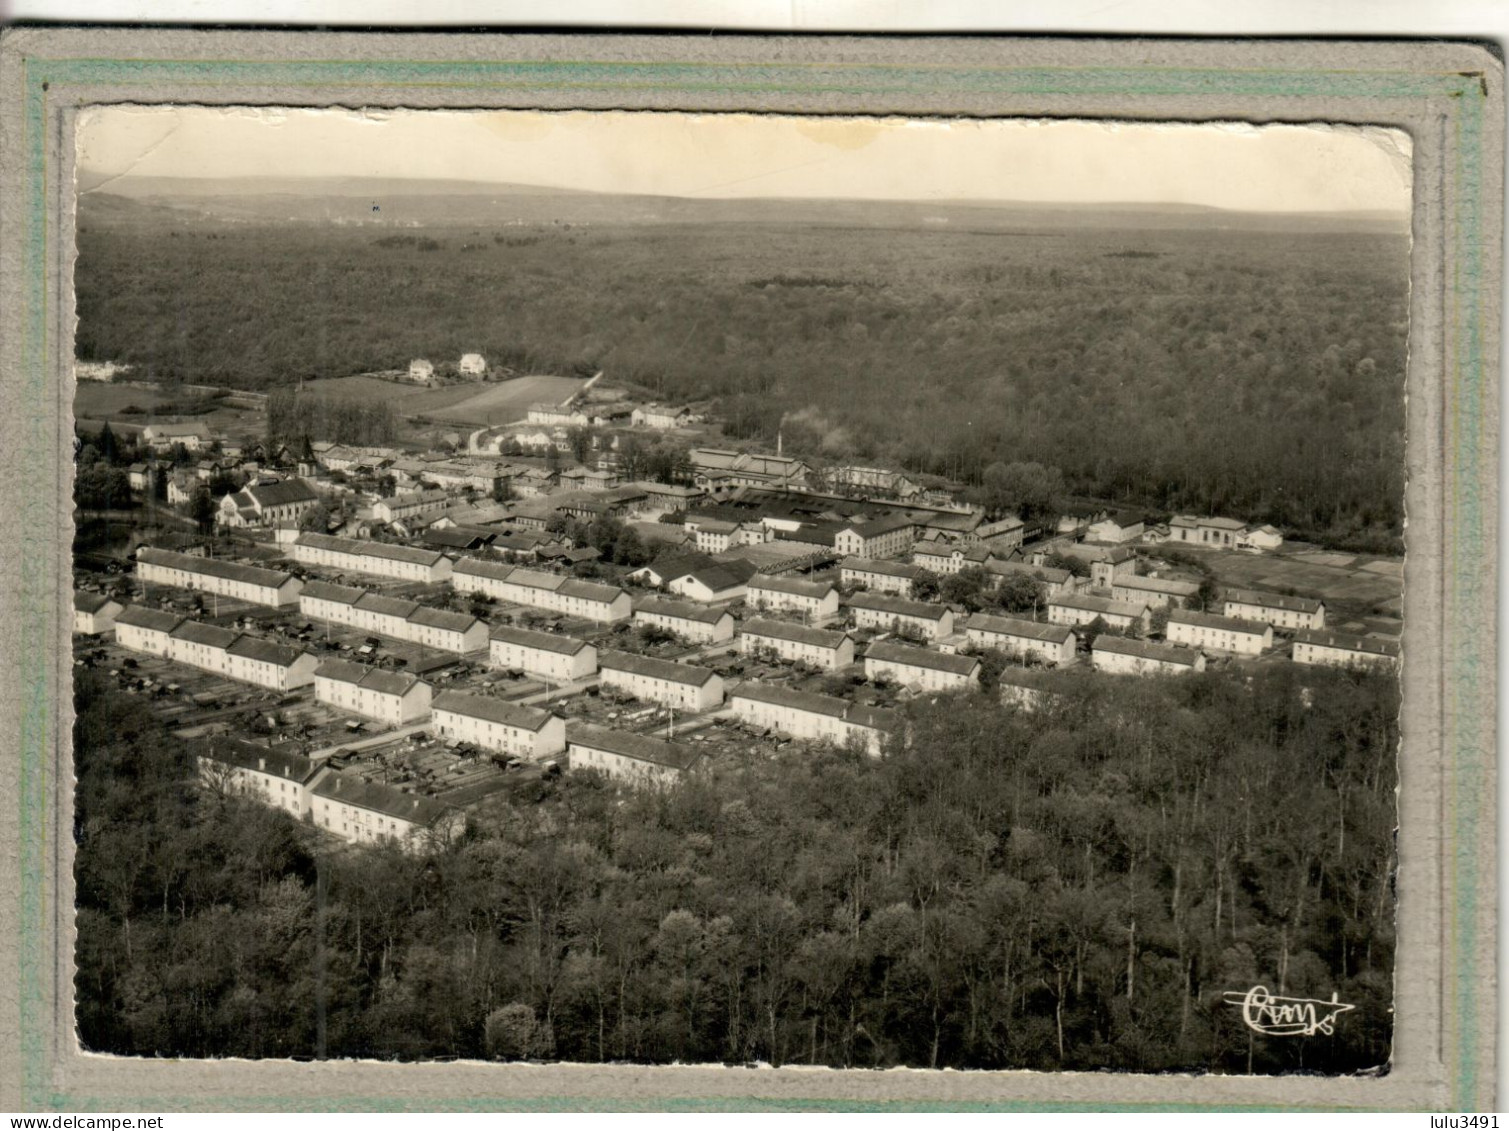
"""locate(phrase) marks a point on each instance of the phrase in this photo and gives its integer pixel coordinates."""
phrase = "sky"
(1237, 166)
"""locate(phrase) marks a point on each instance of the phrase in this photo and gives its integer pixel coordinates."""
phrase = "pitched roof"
(214, 567)
(387, 606)
(492, 710)
(154, 620)
(1125, 518)
(718, 576)
(442, 619)
(884, 568)
(210, 635)
(1348, 641)
(640, 747)
(1211, 620)
(791, 586)
(544, 641)
(1147, 650)
(1025, 629)
(880, 526)
(887, 652)
(1039, 573)
(477, 567)
(389, 683)
(799, 633)
(329, 591)
(680, 610)
(1273, 601)
(342, 671)
(252, 756)
(652, 668)
(896, 606)
(1172, 585)
(589, 590)
(279, 494)
(348, 789)
(813, 703)
(1102, 605)
(363, 548)
(91, 602)
(264, 651)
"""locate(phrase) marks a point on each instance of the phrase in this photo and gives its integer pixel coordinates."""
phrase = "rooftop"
(1027, 629)
(896, 606)
(1273, 601)
(652, 668)
(891, 653)
(814, 703)
(1211, 620)
(791, 586)
(800, 633)
(491, 710)
(213, 567)
(1147, 650)
(545, 641)
(379, 798)
(681, 610)
(1371, 645)
(887, 569)
(155, 620)
(264, 651)
(251, 756)
(640, 747)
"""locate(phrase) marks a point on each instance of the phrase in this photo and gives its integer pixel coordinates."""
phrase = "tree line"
(293, 418)
(1073, 888)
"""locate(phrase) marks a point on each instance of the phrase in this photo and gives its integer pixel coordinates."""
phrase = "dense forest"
(1073, 888)
(1207, 369)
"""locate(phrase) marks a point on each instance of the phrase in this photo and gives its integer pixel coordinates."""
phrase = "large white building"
(201, 646)
(94, 613)
(1053, 644)
(661, 681)
(1214, 633)
(1271, 608)
(1343, 649)
(252, 584)
(409, 505)
(1121, 656)
(447, 631)
(553, 592)
(638, 759)
(809, 717)
(880, 576)
(700, 624)
(816, 600)
(546, 655)
(441, 629)
(1220, 533)
(882, 538)
(921, 667)
(885, 613)
(509, 728)
(278, 778)
(381, 559)
(146, 630)
(1077, 609)
(797, 643)
(266, 663)
(267, 504)
(1133, 589)
(395, 698)
(368, 812)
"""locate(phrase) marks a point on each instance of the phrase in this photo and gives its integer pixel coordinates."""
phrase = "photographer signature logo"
(1287, 1016)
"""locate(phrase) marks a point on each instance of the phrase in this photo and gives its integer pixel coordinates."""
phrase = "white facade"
(265, 664)
(817, 601)
(553, 592)
(921, 668)
(472, 365)
(562, 659)
(363, 812)
(797, 643)
(634, 758)
(276, 778)
(252, 584)
(354, 555)
(145, 630)
(94, 614)
(879, 576)
(1279, 611)
(888, 614)
(1218, 634)
(1082, 610)
(492, 724)
(1118, 656)
(661, 681)
(389, 697)
(696, 623)
(1343, 650)
(808, 717)
(1053, 644)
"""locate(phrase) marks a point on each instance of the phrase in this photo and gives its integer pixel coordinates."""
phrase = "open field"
(1359, 580)
(99, 399)
(479, 403)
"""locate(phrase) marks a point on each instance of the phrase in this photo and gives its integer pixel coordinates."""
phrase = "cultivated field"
(478, 404)
(1361, 579)
(100, 399)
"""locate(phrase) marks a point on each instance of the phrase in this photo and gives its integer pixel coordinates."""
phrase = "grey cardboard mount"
(1447, 96)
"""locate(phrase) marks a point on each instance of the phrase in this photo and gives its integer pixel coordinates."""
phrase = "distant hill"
(420, 202)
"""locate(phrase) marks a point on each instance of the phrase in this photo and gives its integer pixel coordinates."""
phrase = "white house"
(892, 614)
(201, 646)
(324, 600)
(146, 630)
(661, 681)
(660, 416)
(1213, 633)
(1343, 649)
(1053, 644)
(192, 436)
(1219, 533)
(1271, 608)
(548, 655)
(472, 365)
(1123, 526)
(509, 728)
(797, 643)
(810, 717)
(267, 504)
(816, 600)
(94, 613)
(447, 631)
(1121, 656)
(1081, 608)
(395, 698)
(421, 371)
(638, 759)
(368, 812)
(536, 589)
(879, 576)
(381, 559)
(921, 667)
(1260, 540)
(1156, 592)
(269, 664)
(276, 777)
(881, 538)
(712, 536)
(252, 584)
(700, 624)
